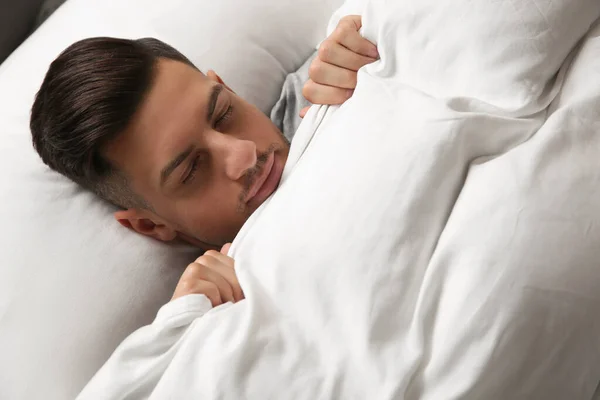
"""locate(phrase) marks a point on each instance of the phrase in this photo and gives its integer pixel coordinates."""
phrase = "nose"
(236, 155)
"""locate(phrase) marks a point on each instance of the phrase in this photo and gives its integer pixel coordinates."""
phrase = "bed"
(448, 250)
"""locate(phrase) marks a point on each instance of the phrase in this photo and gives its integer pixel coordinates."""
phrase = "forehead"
(176, 90)
(172, 111)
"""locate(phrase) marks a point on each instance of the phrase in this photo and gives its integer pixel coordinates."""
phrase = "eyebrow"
(181, 157)
(212, 101)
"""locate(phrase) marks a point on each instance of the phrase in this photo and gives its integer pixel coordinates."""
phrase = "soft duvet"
(436, 237)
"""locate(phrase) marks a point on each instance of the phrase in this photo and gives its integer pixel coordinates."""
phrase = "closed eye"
(192, 171)
(224, 117)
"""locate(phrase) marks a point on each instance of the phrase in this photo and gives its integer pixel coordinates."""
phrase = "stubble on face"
(251, 175)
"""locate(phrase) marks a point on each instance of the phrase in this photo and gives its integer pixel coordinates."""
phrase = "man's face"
(203, 158)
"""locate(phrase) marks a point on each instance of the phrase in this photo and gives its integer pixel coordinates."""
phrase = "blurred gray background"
(18, 18)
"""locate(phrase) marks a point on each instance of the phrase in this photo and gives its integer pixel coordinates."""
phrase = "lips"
(266, 182)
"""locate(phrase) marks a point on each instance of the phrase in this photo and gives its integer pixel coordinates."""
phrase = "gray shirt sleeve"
(285, 113)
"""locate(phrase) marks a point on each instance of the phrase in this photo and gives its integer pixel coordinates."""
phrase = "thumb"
(225, 248)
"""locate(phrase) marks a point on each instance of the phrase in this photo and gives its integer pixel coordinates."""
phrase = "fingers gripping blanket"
(436, 237)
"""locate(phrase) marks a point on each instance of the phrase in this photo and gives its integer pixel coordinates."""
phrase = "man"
(182, 155)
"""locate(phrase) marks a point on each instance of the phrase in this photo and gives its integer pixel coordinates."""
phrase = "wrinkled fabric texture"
(435, 237)
(286, 112)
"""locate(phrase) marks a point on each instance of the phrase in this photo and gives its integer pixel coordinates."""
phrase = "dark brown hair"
(89, 95)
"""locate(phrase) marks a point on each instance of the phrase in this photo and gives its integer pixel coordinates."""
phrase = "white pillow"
(73, 283)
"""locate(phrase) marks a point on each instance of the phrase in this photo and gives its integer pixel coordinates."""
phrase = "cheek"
(256, 126)
(213, 217)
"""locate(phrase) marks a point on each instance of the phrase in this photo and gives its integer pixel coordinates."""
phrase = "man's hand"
(212, 275)
(333, 73)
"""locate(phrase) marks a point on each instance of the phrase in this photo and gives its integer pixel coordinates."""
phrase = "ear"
(212, 75)
(145, 223)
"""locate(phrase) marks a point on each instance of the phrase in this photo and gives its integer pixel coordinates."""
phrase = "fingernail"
(373, 52)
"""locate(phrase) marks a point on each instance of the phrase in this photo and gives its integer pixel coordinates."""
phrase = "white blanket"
(436, 237)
